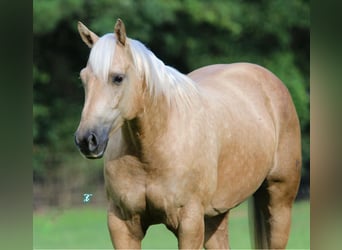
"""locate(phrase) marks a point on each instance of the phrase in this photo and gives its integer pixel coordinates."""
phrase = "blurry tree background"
(185, 34)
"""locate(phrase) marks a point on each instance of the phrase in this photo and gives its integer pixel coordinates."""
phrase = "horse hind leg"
(273, 201)
(272, 217)
(216, 232)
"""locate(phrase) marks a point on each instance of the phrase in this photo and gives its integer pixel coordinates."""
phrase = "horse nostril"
(76, 140)
(92, 142)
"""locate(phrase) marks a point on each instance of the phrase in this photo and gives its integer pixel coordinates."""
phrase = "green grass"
(86, 228)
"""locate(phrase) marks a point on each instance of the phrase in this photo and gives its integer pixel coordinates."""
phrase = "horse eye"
(117, 79)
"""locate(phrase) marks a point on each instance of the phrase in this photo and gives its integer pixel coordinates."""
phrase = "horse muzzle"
(91, 144)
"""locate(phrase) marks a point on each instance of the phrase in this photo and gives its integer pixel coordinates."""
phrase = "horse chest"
(125, 184)
(133, 190)
(164, 201)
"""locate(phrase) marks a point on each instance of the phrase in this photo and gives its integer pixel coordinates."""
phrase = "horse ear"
(87, 36)
(120, 31)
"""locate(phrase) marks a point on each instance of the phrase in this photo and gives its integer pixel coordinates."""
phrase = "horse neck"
(168, 94)
(153, 120)
(131, 131)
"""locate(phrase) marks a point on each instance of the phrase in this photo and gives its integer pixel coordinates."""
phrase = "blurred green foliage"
(185, 34)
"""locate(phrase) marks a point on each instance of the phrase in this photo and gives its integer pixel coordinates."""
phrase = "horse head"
(113, 89)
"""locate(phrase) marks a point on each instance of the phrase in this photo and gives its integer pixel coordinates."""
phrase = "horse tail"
(258, 221)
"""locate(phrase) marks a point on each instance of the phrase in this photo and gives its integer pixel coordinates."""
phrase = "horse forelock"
(160, 78)
(101, 56)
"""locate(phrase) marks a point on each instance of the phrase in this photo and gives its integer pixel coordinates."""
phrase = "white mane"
(161, 79)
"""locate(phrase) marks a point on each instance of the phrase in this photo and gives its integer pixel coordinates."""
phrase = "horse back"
(248, 90)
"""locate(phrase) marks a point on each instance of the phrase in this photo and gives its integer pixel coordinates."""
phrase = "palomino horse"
(183, 150)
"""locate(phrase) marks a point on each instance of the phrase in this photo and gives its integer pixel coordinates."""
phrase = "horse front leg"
(124, 233)
(216, 232)
(191, 227)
